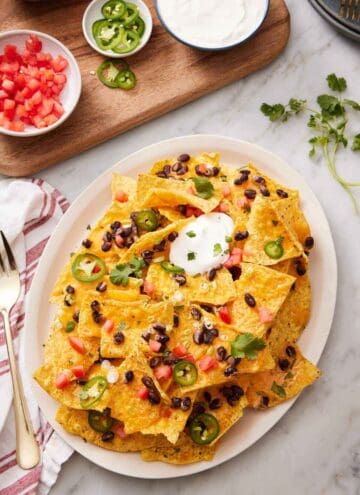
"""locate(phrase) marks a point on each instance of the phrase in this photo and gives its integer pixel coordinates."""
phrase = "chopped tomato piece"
(121, 196)
(207, 363)
(10, 52)
(189, 211)
(243, 203)
(77, 344)
(225, 315)
(62, 379)
(190, 358)
(38, 122)
(226, 190)
(180, 350)
(202, 168)
(8, 85)
(60, 79)
(119, 240)
(3, 94)
(17, 126)
(265, 315)
(50, 119)
(33, 44)
(154, 345)
(163, 371)
(59, 63)
(119, 430)
(198, 212)
(108, 326)
(46, 107)
(96, 269)
(223, 207)
(143, 393)
(149, 288)
(78, 371)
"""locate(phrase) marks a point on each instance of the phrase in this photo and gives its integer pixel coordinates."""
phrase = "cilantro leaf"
(330, 106)
(356, 143)
(191, 256)
(278, 390)
(336, 83)
(217, 249)
(246, 346)
(204, 188)
(297, 106)
(191, 233)
(353, 104)
(274, 112)
(121, 273)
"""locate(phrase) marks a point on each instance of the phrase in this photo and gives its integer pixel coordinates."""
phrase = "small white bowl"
(93, 13)
(70, 95)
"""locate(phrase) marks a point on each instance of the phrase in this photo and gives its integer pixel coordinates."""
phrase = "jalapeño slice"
(131, 14)
(100, 421)
(274, 249)
(113, 9)
(87, 267)
(138, 26)
(127, 43)
(185, 373)
(126, 79)
(204, 429)
(107, 73)
(108, 34)
(169, 267)
(92, 391)
(146, 220)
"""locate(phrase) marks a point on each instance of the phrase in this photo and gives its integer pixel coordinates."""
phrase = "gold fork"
(350, 10)
(27, 449)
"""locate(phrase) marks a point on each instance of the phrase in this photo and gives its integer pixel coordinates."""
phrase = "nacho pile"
(143, 356)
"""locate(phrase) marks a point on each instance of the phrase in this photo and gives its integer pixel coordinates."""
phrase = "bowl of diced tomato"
(40, 83)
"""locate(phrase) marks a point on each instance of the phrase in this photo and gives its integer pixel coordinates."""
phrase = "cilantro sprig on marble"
(246, 346)
(328, 123)
(121, 273)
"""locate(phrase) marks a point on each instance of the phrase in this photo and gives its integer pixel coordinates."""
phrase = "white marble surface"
(315, 449)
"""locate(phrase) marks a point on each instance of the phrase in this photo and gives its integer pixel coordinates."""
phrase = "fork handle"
(27, 449)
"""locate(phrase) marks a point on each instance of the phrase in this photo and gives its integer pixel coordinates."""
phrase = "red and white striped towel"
(29, 212)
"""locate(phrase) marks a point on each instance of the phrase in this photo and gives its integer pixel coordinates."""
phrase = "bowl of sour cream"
(212, 24)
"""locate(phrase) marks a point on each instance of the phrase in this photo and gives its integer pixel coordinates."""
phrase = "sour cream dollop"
(210, 23)
(202, 244)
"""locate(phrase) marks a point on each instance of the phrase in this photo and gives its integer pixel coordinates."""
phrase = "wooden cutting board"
(169, 75)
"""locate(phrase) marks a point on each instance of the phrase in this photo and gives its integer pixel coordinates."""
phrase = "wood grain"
(169, 75)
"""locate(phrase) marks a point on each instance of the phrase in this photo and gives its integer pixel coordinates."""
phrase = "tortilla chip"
(268, 287)
(76, 422)
(271, 388)
(197, 288)
(289, 212)
(184, 452)
(155, 192)
(125, 184)
(264, 226)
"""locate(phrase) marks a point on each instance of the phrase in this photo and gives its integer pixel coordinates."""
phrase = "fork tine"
(9, 252)
(2, 268)
(3, 265)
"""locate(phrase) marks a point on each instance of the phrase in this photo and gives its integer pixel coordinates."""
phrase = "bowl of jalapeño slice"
(117, 28)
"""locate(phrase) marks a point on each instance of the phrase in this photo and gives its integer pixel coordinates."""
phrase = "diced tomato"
(163, 371)
(9, 109)
(96, 269)
(60, 79)
(189, 211)
(225, 315)
(20, 81)
(149, 288)
(180, 350)
(119, 430)
(223, 207)
(33, 44)
(9, 68)
(3, 94)
(198, 212)
(20, 111)
(26, 92)
(121, 196)
(265, 315)
(143, 393)
(235, 257)
(202, 168)
(19, 97)
(78, 371)
(190, 358)
(77, 344)
(59, 63)
(207, 363)
(243, 203)
(51, 119)
(33, 85)
(108, 326)
(119, 241)
(226, 190)
(17, 126)
(10, 52)
(154, 345)
(8, 85)
(38, 122)
(62, 379)
(46, 107)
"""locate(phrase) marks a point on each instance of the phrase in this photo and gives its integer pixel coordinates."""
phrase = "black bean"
(210, 335)
(70, 289)
(207, 308)
(245, 172)
(199, 169)
(128, 376)
(148, 381)
(198, 408)
(250, 193)
(106, 246)
(229, 371)
(107, 436)
(309, 242)
(115, 225)
(264, 191)
(107, 237)
(184, 157)
(146, 336)
(240, 180)
(211, 274)
(81, 381)
(259, 180)
(98, 317)
(281, 193)
(160, 246)
(216, 171)
(163, 339)
(154, 396)
(290, 351)
(264, 400)
(207, 325)
(186, 403)
(221, 353)
(101, 287)
(119, 338)
(155, 361)
(231, 400)
(300, 268)
(284, 364)
(171, 359)
(198, 337)
(215, 404)
(250, 300)
(147, 255)
(172, 236)
(241, 235)
(162, 175)
(175, 402)
(86, 243)
(231, 361)
(182, 209)
(237, 391)
(177, 166)
(176, 320)
(196, 313)
(126, 231)
(226, 391)
(180, 279)
(207, 396)
(159, 327)
(235, 272)
(182, 170)
(167, 170)
(76, 316)
(95, 306)
(128, 242)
